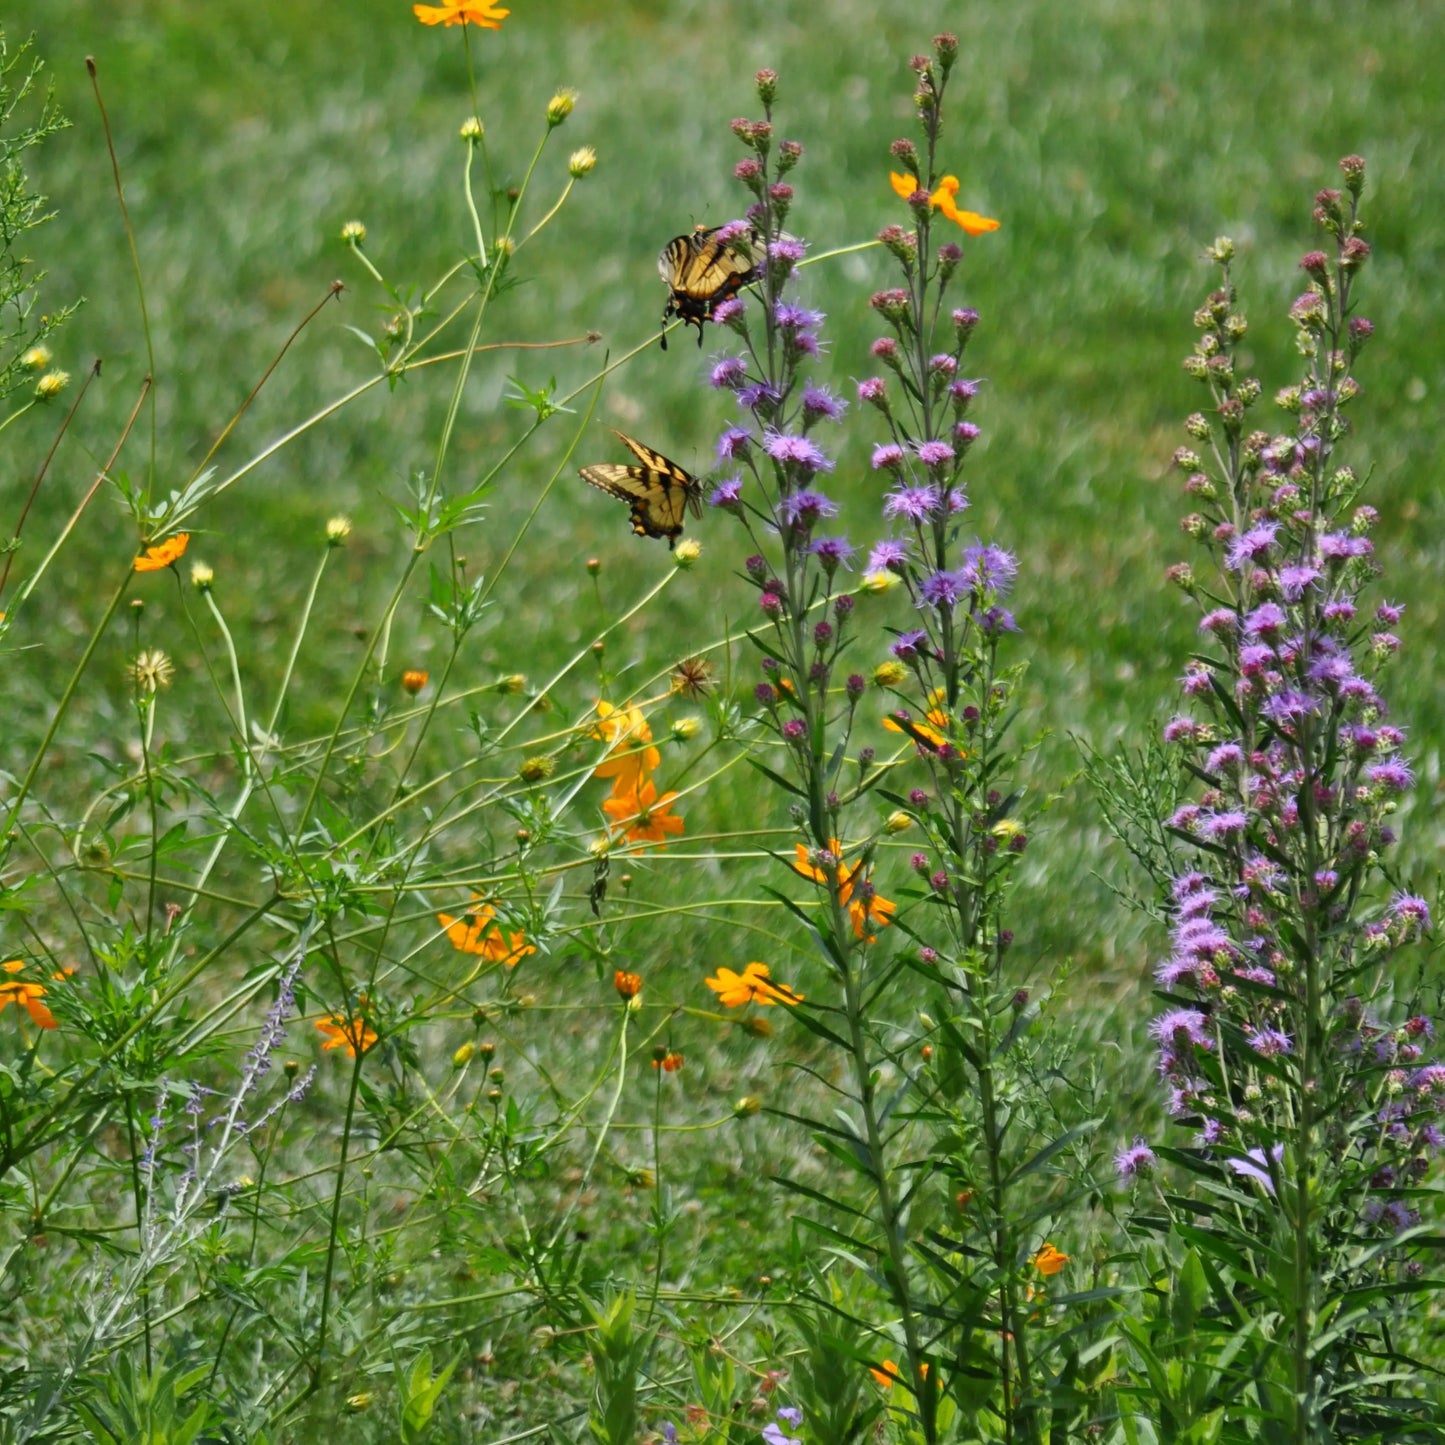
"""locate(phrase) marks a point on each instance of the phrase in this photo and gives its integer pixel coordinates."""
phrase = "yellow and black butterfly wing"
(659, 493)
(701, 271)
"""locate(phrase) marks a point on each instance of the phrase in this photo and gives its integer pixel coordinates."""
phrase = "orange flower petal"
(904, 186)
(153, 559)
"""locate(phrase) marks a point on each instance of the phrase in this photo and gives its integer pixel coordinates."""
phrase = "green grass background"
(1113, 138)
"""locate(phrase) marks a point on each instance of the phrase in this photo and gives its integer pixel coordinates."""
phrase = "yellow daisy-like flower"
(752, 985)
(25, 995)
(944, 198)
(1048, 1260)
(354, 1034)
(162, 554)
(870, 915)
(481, 13)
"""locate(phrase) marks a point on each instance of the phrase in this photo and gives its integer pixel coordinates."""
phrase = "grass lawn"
(1113, 138)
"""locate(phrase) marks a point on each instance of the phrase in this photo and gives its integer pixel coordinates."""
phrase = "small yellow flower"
(560, 106)
(687, 552)
(481, 13)
(36, 359)
(512, 684)
(747, 1106)
(354, 233)
(52, 384)
(752, 985)
(537, 769)
(202, 576)
(338, 529)
(472, 129)
(355, 1404)
(162, 554)
(880, 581)
(889, 674)
(1007, 829)
(1049, 1261)
(463, 1055)
(581, 162)
(686, 728)
(898, 822)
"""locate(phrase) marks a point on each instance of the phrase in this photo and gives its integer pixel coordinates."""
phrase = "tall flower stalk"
(953, 699)
(1314, 1119)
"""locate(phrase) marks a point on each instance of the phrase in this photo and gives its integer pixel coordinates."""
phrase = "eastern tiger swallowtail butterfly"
(658, 492)
(701, 271)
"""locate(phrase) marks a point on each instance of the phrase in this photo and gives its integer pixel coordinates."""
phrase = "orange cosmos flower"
(632, 759)
(1049, 1260)
(888, 1374)
(642, 815)
(462, 12)
(931, 729)
(26, 996)
(750, 986)
(414, 679)
(628, 985)
(153, 559)
(870, 914)
(669, 1063)
(944, 199)
(808, 869)
(353, 1034)
(475, 932)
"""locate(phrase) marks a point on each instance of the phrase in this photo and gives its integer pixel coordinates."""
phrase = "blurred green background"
(1113, 138)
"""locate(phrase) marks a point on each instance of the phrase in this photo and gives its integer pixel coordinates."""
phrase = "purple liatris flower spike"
(796, 452)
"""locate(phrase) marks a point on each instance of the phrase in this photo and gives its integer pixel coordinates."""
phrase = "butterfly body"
(700, 272)
(658, 493)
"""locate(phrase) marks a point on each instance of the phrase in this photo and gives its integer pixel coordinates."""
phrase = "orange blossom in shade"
(888, 1374)
(414, 679)
(25, 995)
(153, 559)
(642, 815)
(1049, 1260)
(944, 198)
(353, 1034)
(628, 985)
(752, 985)
(462, 12)
(669, 1063)
(475, 932)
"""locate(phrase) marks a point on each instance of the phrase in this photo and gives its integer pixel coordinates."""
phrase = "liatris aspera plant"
(1288, 1047)
(958, 1289)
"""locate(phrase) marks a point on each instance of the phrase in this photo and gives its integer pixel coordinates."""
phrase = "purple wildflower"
(1412, 910)
(1265, 621)
(1182, 1026)
(994, 620)
(887, 455)
(1137, 1159)
(726, 312)
(804, 508)
(729, 373)
(1393, 775)
(989, 568)
(1295, 581)
(819, 403)
(795, 318)
(935, 453)
(942, 589)
(791, 1416)
(797, 452)
(733, 443)
(889, 555)
(727, 494)
(1271, 1043)
(917, 504)
(758, 394)
(773, 1434)
(873, 389)
(907, 645)
(1251, 546)
(833, 552)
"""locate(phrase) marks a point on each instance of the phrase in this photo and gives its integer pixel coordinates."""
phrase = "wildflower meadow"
(905, 910)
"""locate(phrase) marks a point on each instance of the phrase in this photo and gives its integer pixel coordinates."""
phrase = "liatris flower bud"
(945, 47)
(766, 82)
(1353, 168)
(789, 154)
(906, 153)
